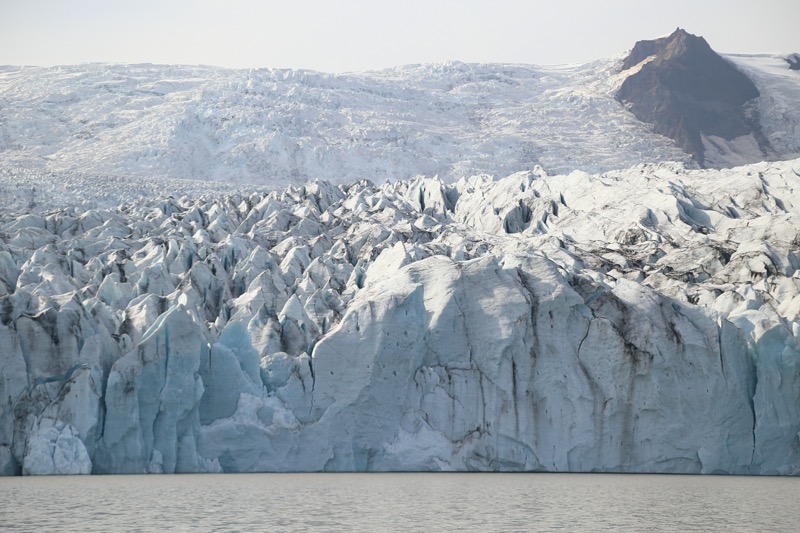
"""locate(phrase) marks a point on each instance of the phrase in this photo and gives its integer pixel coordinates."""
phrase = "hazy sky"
(348, 35)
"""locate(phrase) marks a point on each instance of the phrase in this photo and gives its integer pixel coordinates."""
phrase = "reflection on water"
(395, 502)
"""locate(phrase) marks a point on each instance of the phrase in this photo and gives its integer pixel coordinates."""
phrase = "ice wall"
(638, 321)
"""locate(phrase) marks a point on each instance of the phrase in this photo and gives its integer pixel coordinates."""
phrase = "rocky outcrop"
(690, 94)
(637, 321)
(794, 61)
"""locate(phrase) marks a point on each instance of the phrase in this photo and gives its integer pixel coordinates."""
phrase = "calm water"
(400, 502)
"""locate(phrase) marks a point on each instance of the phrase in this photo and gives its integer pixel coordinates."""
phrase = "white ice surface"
(613, 320)
(636, 320)
(777, 106)
(273, 127)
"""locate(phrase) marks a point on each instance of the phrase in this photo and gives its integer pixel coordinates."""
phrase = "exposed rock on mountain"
(642, 321)
(692, 95)
(794, 61)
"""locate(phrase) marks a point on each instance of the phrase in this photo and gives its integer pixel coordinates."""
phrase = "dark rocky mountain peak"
(686, 90)
(644, 49)
(794, 61)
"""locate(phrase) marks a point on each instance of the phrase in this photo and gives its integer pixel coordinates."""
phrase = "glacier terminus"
(434, 268)
(643, 320)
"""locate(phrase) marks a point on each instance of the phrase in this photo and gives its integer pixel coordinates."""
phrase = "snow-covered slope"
(281, 126)
(637, 320)
(777, 107)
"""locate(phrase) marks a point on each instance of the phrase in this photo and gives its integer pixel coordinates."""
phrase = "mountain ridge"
(688, 92)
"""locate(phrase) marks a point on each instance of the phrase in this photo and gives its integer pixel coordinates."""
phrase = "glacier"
(281, 126)
(637, 320)
(140, 123)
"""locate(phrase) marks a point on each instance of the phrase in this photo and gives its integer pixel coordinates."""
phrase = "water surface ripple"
(400, 502)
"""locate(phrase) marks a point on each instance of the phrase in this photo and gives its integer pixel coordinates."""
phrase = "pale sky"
(353, 35)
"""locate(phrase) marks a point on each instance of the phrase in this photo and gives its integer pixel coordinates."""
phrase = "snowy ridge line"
(642, 320)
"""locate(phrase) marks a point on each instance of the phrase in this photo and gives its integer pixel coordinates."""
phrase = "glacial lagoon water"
(400, 502)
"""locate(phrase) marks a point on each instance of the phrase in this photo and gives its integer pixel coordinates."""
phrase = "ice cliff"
(643, 320)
